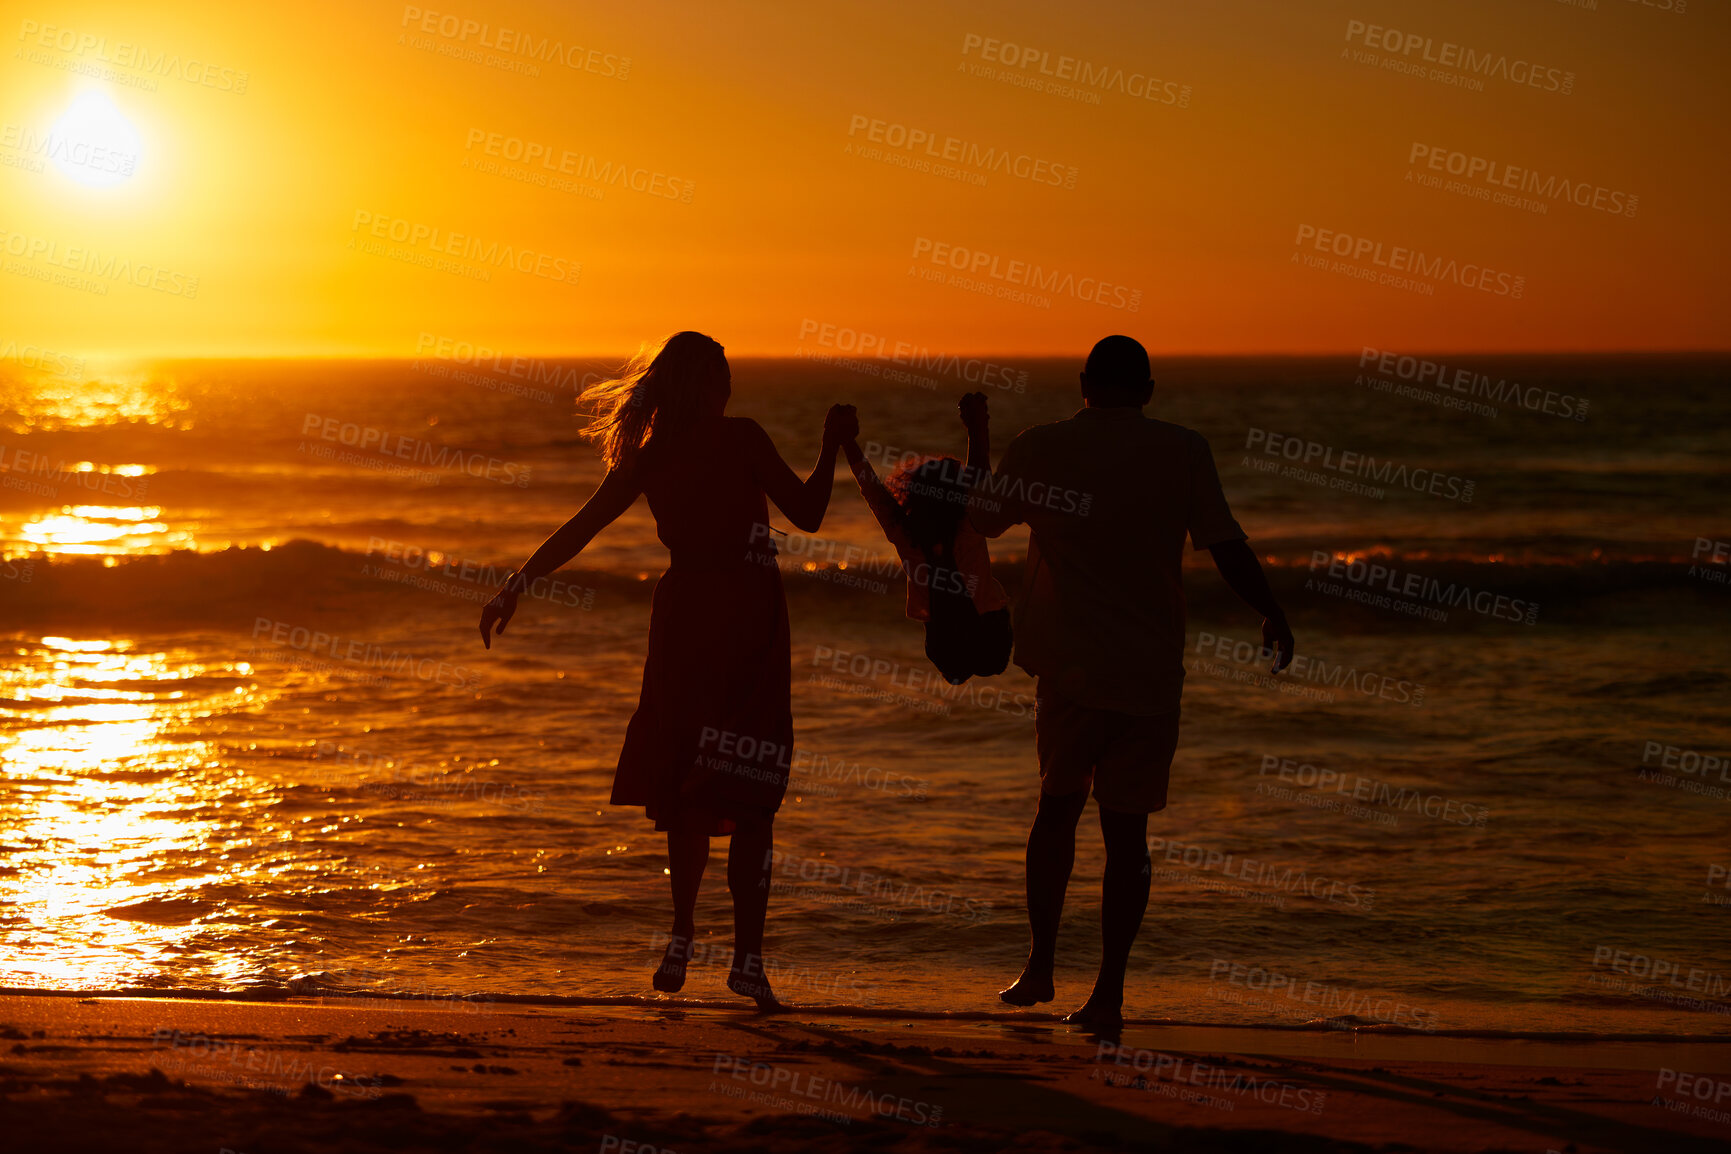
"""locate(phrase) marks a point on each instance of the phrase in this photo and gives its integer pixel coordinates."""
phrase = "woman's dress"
(713, 731)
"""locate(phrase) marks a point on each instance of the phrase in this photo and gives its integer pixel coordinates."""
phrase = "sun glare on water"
(110, 811)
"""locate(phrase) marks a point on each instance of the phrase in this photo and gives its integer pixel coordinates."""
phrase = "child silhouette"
(923, 512)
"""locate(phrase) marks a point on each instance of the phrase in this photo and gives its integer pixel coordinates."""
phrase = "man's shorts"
(1126, 757)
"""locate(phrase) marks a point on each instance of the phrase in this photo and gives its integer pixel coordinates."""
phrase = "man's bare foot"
(1029, 989)
(1098, 1018)
(670, 975)
(747, 978)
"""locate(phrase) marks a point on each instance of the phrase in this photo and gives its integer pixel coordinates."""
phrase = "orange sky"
(271, 143)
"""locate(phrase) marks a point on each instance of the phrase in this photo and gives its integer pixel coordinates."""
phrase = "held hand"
(1277, 639)
(500, 609)
(973, 410)
(840, 426)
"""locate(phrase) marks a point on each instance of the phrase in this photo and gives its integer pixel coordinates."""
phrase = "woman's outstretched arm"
(611, 498)
(803, 502)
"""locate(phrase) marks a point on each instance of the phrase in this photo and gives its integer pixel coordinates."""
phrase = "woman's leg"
(748, 870)
(687, 857)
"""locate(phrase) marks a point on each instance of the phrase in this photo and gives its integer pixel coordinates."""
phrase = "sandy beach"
(185, 1074)
(1209, 518)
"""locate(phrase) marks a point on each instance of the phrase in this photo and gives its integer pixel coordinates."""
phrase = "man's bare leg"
(1051, 856)
(1123, 901)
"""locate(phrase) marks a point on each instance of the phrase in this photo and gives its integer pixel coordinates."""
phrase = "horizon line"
(504, 355)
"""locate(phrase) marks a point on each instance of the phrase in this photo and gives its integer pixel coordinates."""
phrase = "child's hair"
(933, 495)
(663, 385)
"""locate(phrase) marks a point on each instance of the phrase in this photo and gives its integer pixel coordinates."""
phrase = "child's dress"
(950, 588)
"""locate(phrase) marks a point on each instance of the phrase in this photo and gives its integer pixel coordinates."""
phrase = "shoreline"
(483, 1002)
(177, 1073)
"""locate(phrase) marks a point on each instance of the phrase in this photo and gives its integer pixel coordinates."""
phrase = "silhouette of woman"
(708, 750)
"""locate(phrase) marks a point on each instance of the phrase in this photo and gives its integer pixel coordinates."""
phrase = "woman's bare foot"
(670, 975)
(1098, 1018)
(1029, 989)
(747, 978)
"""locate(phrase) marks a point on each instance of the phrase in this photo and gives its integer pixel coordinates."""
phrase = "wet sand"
(158, 1073)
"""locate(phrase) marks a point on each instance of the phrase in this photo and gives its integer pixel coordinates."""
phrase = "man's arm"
(1242, 572)
(977, 420)
(994, 502)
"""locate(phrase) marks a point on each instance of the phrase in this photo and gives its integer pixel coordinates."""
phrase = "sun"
(93, 143)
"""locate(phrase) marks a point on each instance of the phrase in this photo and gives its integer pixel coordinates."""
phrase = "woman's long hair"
(933, 495)
(662, 386)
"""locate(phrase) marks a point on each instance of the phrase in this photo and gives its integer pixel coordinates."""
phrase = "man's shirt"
(1109, 495)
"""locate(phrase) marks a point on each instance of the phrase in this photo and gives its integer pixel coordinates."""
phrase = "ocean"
(251, 741)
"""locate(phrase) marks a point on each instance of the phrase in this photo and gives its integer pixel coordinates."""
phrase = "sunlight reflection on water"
(107, 815)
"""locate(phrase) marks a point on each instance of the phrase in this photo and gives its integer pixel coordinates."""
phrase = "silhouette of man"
(1109, 496)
